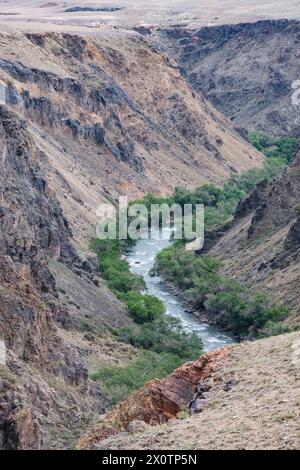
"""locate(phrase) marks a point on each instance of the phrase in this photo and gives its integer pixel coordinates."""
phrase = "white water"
(141, 260)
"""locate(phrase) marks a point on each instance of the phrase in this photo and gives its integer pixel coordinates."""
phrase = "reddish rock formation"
(159, 400)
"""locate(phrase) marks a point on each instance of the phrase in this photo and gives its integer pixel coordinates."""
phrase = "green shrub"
(119, 382)
(144, 308)
(150, 199)
(164, 335)
(273, 328)
(227, 307)
(245, 314)
(284, 148)
(230, 304)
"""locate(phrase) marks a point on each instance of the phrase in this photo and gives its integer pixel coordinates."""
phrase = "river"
(141, 260)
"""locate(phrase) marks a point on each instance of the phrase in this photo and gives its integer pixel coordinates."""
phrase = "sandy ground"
(50, 14)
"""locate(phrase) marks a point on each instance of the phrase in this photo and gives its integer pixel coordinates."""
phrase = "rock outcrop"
(253, 404)
(158, 401)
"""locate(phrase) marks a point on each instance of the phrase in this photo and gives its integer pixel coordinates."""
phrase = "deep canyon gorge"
(101, 104)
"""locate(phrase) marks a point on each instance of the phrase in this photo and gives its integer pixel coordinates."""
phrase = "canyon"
(89, 114)
(68, 145)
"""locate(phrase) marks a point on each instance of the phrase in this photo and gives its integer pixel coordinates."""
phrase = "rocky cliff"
(160, 401)
(246, 70)
(44, 385)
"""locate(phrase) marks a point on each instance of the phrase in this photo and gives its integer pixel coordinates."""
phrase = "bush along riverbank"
(220, 300)
(284, 148)
(162, 342)
(220, 203)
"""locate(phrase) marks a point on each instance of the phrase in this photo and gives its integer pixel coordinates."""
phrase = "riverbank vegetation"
(220, 299)
(119, 382)
(284, 148)
(163, 343)
(220, 203)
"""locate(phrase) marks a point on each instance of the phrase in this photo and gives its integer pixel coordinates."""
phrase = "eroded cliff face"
(32, 228)
(245, 70)
(44, 386)
(113, 116)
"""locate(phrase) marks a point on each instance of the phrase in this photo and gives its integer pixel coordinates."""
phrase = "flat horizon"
(51, 15)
